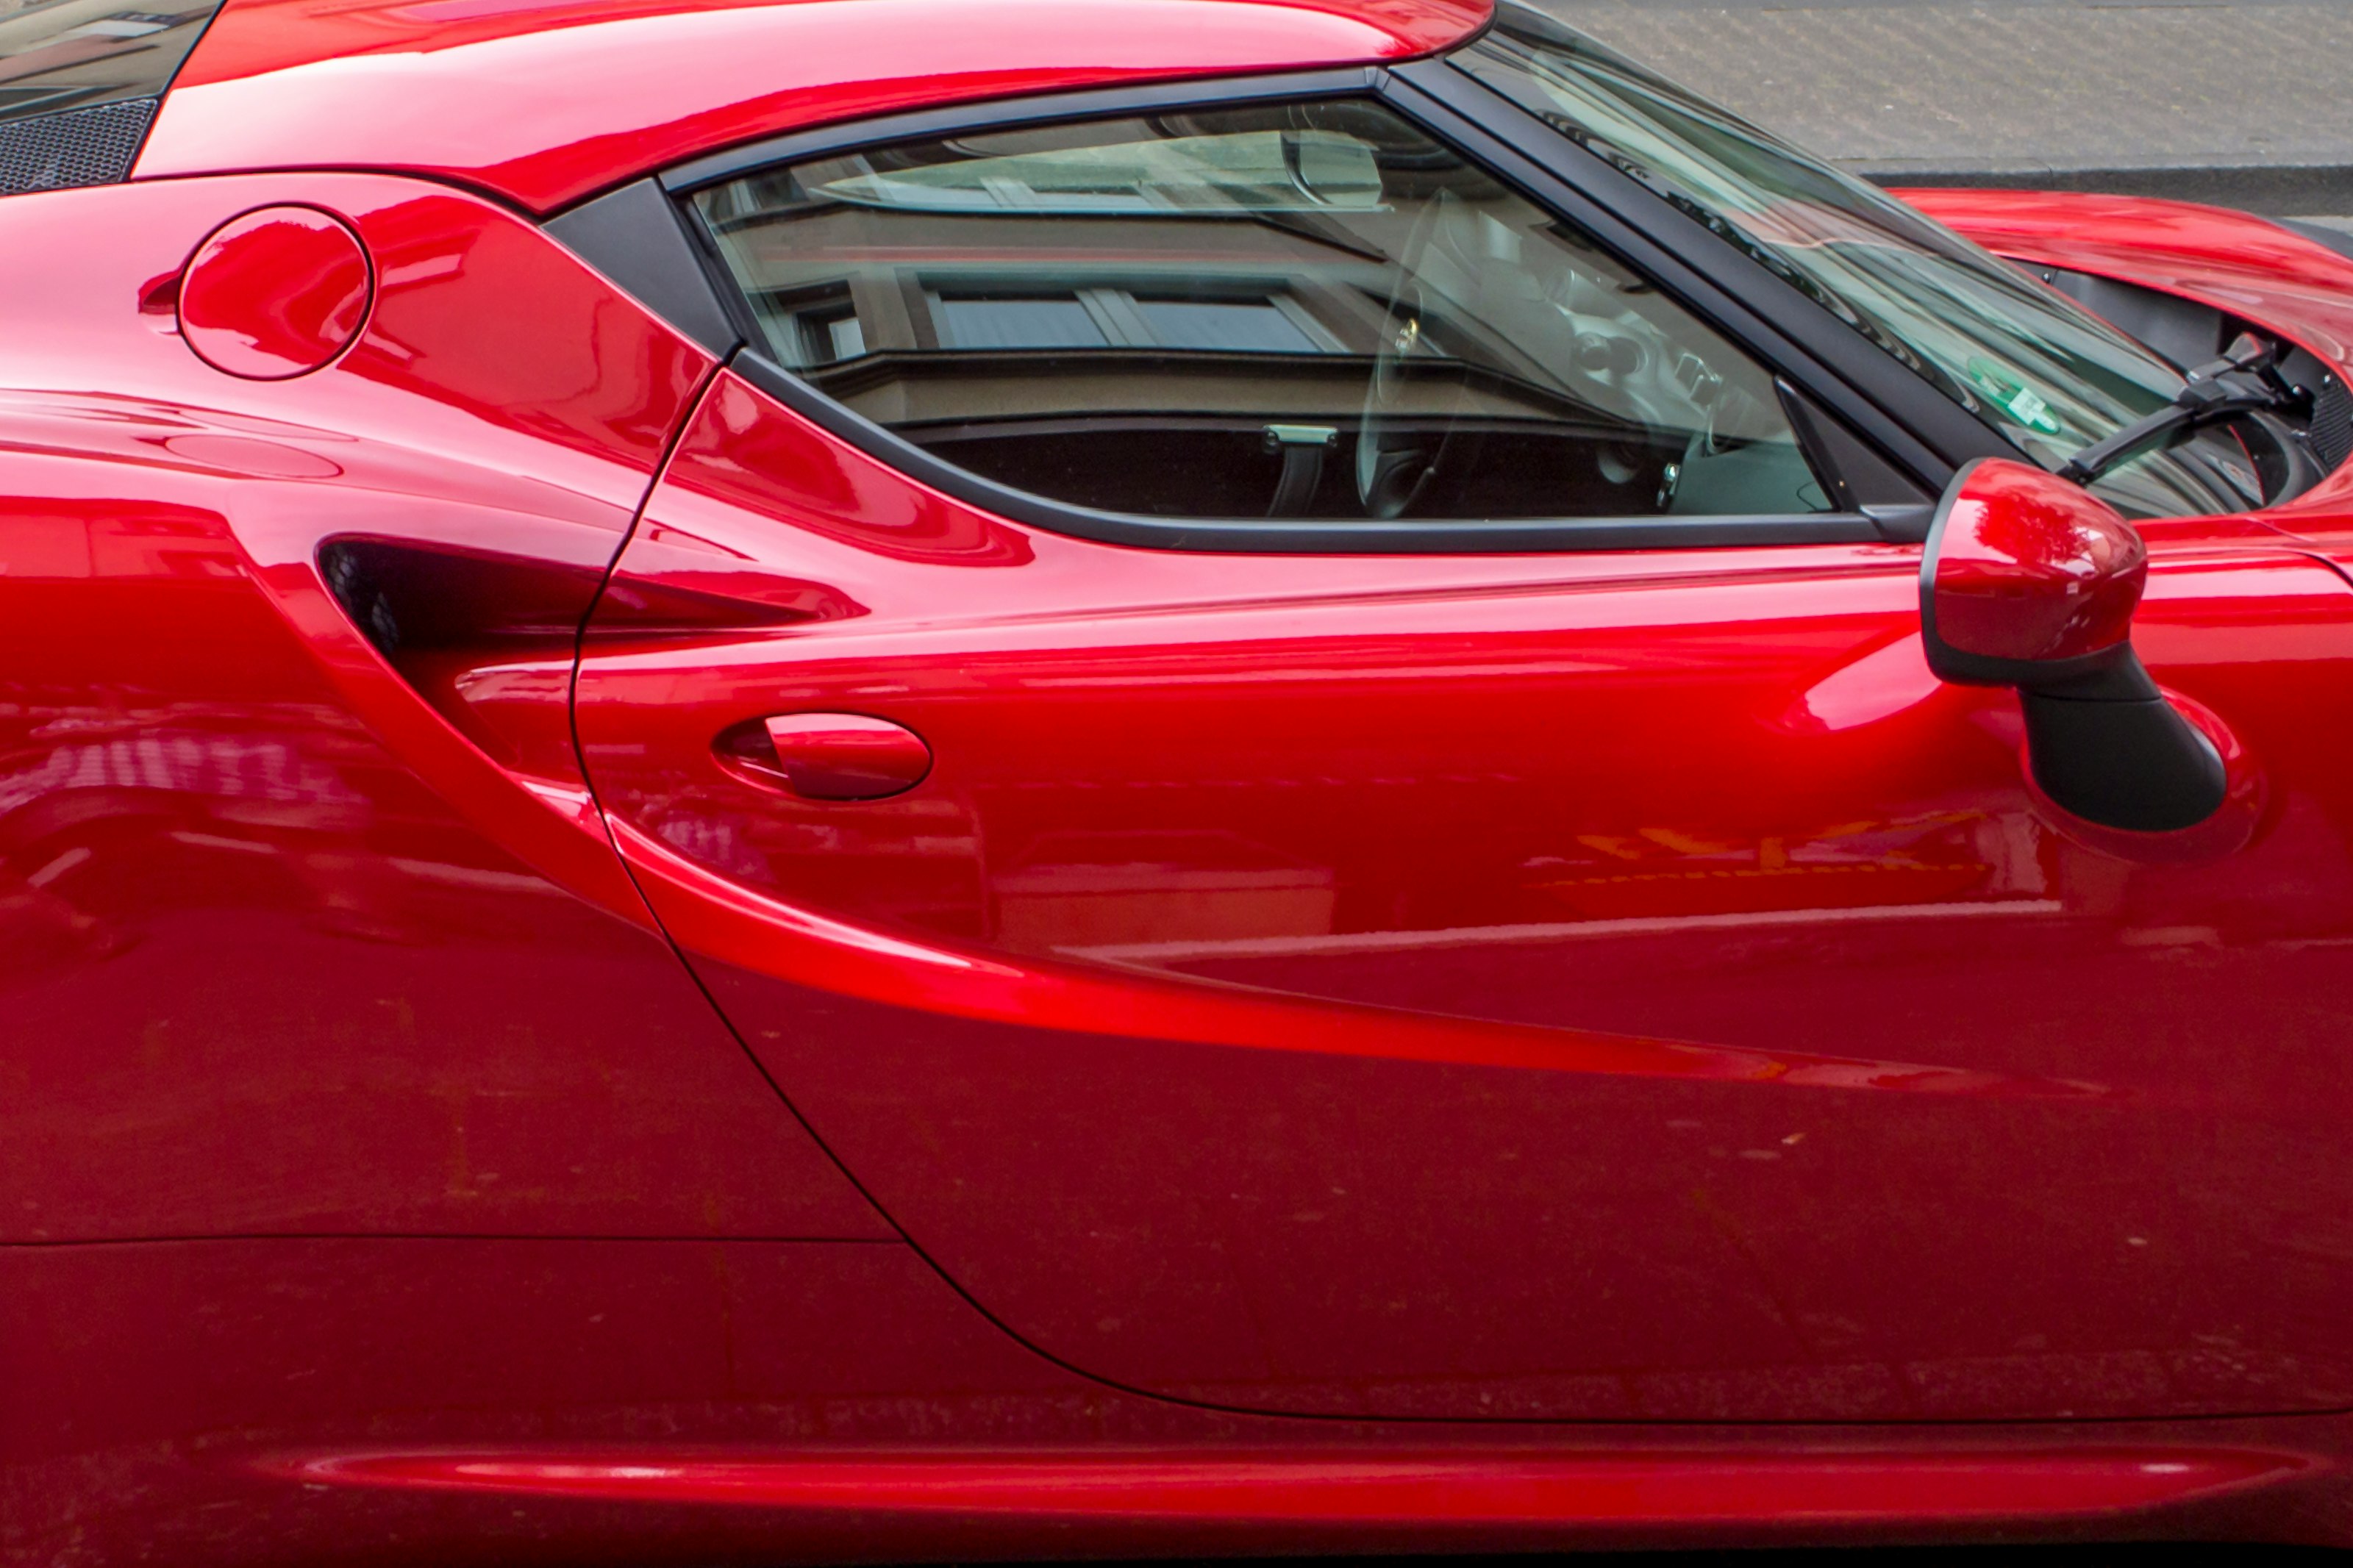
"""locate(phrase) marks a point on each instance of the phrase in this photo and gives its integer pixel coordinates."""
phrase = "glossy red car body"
(614, 88)
(450, 1109)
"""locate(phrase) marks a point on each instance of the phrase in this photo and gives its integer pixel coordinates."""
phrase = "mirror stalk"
(2110, 749)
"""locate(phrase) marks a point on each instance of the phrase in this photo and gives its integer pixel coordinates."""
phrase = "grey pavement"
(2250, 105)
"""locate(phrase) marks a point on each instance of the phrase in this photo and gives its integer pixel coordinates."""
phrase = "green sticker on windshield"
(2021, 402)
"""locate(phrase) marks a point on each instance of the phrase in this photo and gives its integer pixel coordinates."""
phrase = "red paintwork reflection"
(1571, 1080)
(1426, 1488)
(275, 293)
(653, 707)
(514, 335)
(545, 103)
(281, 948)
(841, 756)
(144, 1378)
(503, 397)
(2030, 567)
(783, 941)
(171, 1400)
(737, 454)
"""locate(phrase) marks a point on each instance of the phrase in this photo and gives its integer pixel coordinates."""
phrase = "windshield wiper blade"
(2245, 380)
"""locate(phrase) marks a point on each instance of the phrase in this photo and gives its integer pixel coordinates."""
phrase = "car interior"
(1305, 310)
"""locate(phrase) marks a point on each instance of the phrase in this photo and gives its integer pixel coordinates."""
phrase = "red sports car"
(942, 778)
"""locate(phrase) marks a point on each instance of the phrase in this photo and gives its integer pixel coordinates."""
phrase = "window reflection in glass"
(2050, 376)
(1307, 310)
(57, 55)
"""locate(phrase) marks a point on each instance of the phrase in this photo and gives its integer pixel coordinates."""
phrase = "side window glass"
(1305, 310)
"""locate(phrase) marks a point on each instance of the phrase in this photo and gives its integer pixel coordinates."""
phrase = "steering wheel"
(1393, 465)
(1394, 462)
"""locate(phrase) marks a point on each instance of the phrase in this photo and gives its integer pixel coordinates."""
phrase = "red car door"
(1419, 980)
(1605, 985)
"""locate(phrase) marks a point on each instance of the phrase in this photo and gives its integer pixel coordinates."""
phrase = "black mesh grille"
(2331, 432)
(74, 147)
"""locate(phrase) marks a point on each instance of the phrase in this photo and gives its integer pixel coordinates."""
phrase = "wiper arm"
(2244, 379)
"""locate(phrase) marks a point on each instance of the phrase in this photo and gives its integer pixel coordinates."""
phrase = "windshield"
(2048, 375)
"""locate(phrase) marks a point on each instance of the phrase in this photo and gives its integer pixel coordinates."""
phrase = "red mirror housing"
(2023, 568)
(2030, 581)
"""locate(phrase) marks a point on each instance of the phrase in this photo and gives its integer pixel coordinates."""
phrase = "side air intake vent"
(92, 146)
(2332, 424)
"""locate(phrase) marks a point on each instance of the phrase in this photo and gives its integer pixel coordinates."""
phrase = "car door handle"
(828, 756)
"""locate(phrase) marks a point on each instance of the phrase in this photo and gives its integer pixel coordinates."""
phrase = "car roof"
(544, 102)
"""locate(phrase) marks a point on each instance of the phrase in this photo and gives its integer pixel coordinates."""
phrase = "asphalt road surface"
(2247, 105)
